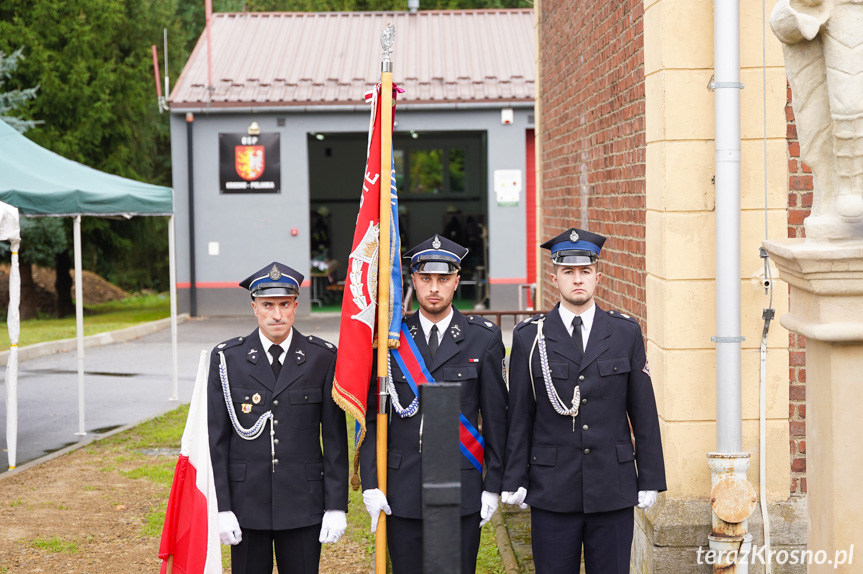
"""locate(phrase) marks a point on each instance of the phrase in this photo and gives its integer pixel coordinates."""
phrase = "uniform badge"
(300, 356)
(473, 360)
(455, 330)
(413, 330)
(252, 355)
(646, 369)
(488, 324)
(256, 398)
(247, 408)
(573, 236)
(275, 274)
(436, 243)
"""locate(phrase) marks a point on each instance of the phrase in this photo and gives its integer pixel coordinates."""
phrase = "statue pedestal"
(826, 280)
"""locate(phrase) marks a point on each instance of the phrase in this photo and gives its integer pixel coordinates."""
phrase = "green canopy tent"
(41, 183)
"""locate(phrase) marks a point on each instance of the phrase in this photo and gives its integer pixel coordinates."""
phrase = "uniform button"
(305, 397)
(587, 451)
(275, 461)
(584, 401)
(585, 427)
(276, 403)
(275, 423)
(534, 458)
(322, 473)
(247, 398)
(276, 441)
(580, 377)
(614, 369)
(459, 374)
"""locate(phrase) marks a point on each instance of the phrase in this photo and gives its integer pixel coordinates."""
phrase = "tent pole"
(172, 270)
(79, 320)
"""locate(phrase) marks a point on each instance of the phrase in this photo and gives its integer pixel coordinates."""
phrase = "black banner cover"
(249, 164)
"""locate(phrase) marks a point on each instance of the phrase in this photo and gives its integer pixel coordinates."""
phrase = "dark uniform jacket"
(306, 481)
(471, 352)
(593, 467)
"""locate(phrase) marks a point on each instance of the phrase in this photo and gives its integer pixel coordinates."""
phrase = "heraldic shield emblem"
(249, 161)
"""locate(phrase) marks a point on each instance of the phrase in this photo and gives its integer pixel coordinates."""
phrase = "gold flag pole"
(384, 269)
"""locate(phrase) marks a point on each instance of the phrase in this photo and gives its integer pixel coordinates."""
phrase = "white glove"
(647, 498)
(376, 501)
(489, 505)
(229, 528)
(515, 498)
(333, 526)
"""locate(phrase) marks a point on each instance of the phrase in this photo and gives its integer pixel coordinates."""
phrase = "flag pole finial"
(388, 38)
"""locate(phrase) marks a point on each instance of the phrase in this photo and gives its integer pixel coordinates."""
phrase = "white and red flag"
(190, 537)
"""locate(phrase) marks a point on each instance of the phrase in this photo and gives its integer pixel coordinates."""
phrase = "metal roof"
(286, 59)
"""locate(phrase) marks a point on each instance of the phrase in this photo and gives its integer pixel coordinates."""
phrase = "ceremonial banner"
(190, 537)
(357, 330)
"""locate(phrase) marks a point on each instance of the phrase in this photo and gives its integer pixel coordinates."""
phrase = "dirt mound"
(96, 289)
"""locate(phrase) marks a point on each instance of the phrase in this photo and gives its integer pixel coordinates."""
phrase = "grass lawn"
(97, 319)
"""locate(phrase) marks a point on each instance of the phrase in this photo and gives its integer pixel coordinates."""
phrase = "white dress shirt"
(285, 345)
(442, 326)
(587, 321)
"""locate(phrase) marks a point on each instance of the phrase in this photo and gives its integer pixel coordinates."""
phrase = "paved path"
(125, 383)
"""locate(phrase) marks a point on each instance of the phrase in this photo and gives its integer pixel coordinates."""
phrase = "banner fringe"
(352, 409)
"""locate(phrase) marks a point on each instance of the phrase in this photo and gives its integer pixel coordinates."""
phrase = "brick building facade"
(799, 205)
(593, 148)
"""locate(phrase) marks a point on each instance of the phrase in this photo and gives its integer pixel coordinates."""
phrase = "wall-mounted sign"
(249, 163)
(507, 187)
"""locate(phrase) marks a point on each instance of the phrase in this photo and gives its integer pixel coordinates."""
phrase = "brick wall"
(799, 205)
(593, 146)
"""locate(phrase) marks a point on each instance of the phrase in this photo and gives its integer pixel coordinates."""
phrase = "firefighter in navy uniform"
(275, 486)
(454, 347)
(578, 378)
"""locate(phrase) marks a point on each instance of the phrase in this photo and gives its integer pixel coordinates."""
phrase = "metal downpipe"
(732, 496)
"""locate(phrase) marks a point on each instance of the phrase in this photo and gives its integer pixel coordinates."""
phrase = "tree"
(12, 100)
(92, 61)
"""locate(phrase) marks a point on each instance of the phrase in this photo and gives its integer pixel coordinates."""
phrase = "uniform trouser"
(297, 551)
(557, 538)
(405, 543)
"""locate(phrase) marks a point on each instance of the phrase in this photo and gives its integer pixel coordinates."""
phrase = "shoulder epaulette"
(620, 315)
(321, 343)
(482, 321)
(535, 319)
(230, 343)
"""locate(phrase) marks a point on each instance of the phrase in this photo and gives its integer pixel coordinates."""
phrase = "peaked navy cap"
(436, 255)
(274, 280)
(575, 247)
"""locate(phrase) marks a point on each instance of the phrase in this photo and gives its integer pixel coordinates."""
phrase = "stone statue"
(823, 46)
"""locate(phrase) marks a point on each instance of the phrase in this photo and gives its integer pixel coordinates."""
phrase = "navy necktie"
(276, 351)
(433, 341)
(576, 338)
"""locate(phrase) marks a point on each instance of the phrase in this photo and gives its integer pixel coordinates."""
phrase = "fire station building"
(270, 130)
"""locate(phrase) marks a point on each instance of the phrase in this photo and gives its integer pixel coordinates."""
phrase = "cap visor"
(275, 292)
(573, 260)
(435, 267)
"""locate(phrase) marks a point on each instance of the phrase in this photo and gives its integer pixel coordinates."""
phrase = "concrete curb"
(97, 340)
(504, 545)
(73, 447)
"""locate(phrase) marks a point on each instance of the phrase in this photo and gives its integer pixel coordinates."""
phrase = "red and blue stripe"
(411, 363)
